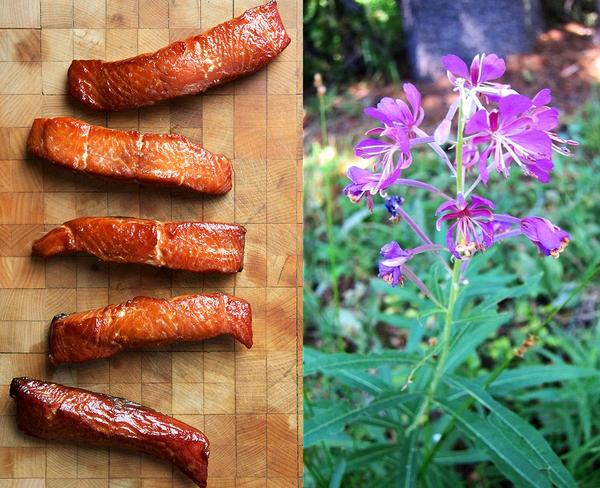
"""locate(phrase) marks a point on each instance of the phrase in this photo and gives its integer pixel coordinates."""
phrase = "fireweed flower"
(365, 184)
(550, 239)
(512, 135)
(546, 119)
(472, 84)
(398, 133)
(472, 227)
(497, 128)
(393, 258)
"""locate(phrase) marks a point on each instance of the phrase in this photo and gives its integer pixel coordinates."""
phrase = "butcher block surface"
(246, 401)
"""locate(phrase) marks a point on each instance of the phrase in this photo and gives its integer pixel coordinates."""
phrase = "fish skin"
(61, 413)
(235, 48)
(169, 160)
(191, 246)
(148, 322)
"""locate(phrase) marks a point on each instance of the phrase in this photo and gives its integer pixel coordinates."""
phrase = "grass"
(356, 417)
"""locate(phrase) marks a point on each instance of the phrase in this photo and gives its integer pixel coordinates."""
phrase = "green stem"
(493, 376)
(323, 120)
(331, 251)
(423, 411)
(460, 176)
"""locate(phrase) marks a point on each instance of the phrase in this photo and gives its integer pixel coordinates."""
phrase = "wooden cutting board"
(246, 401)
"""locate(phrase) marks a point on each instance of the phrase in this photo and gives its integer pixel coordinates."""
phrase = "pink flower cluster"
(498, 129)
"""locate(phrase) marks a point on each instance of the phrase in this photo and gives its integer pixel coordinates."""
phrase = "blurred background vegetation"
(353, 40)
(358, 46)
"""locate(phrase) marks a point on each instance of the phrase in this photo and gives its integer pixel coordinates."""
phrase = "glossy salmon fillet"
(148, 322)
(228, 51)
(158, 159)
(61, 413)
(191, 246)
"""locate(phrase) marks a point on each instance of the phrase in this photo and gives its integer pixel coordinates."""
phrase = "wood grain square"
(57, 44)
(121, 44)
(20, 45)
(61, 461)
(282, 78)
(18, 272)
(188, 398)
(89, 43)
(214, 12)
(251, 182)
(55, 77)
(19, 15)
(89, 14)
(158, 396)
(123, 464)
(20, 176)
(184, 14)
(20, 78)
(251, 398)
(23, 336)
(188, 367)
(57, 14)
(281, 432)
(153, 14)
(157, 368)
(220, 429)
(251, 445)
(21, 208)
(22, 462)
(219, 398)
(122, 14)
(281, 249)
(19, 111)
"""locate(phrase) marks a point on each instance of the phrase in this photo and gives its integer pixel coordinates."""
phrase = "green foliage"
(358, 37)
(369, 355)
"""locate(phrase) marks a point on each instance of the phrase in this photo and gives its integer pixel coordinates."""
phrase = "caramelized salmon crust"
(159, 159)
(61, 413)
(148, 322)
(228, 51)
(191, 246)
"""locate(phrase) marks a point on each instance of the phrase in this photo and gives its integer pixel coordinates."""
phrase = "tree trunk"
(466, 27)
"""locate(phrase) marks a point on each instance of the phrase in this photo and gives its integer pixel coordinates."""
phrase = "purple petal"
(480, 201)
(450, 241)
(456, 66)
(543, 97)
(547, 119)
(369, 148)
(534, 141)
(492, 68)
(512, 105)
(413, 96)
(377, 114)
(477, 123)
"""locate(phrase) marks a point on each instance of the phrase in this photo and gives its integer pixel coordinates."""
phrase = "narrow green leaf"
(470, 336)
(408, 463)
(527, 376)
(315, 361)
(509, 460)
(530, 444)
(338, 474)
(334, 419)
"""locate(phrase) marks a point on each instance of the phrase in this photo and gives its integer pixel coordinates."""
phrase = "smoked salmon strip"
(158, 159)
(61, 413)
(228, 51)
(191, 246)
(148, 322)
